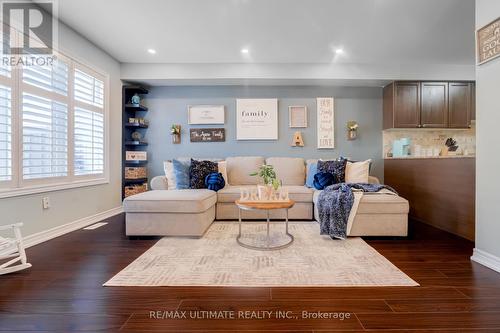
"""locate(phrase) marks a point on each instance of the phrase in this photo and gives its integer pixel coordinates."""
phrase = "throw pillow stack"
(185, 173)
(321, 174)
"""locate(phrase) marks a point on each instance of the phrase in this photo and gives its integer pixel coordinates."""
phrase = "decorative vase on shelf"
(135, 100)
(136, 136)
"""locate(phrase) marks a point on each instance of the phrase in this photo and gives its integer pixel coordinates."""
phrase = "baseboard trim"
(486, 259)
(58, 231)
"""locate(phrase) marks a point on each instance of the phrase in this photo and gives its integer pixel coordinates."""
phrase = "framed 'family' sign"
(257, 119)
(488, 42)
(326, 133)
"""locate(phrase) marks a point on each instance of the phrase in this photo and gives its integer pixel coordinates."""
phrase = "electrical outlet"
(45, 203)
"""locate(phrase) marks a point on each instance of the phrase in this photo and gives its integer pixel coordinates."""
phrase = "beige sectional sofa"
(165, 212)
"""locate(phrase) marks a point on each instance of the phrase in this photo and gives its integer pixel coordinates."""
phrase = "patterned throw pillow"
(336, 168)
(199, 170)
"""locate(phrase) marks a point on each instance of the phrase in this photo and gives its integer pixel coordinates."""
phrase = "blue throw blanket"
(335, 203)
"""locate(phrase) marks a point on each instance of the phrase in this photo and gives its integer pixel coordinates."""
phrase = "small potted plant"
(175, 131)
(352, 130)
(271, 183)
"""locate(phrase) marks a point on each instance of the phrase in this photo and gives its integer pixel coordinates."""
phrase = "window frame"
(18, 186)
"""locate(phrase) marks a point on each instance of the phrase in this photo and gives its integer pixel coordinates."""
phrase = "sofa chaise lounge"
(163, 212)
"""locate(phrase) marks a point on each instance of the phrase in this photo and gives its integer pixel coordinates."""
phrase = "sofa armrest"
(373, 180)
(159, 183)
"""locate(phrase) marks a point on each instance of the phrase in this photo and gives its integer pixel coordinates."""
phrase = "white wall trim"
(52, 233)
(486, 259)
(20, 191)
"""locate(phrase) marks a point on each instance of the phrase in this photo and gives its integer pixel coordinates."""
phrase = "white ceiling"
(278, 31)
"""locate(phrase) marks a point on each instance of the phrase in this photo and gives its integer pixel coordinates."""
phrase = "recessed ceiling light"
(244, 51)
(152, 51)
(339, 51)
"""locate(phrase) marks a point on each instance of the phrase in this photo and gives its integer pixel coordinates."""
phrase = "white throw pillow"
(222, 166)
(168, 167)
(357, 172)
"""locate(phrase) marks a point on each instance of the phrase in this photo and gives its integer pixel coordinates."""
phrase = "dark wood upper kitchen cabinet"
(434, 105)
(429, 104)
(460, 105)
(402, 105)
(406, 104)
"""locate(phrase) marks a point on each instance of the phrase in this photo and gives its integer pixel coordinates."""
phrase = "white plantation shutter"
(89, 89)
(5, 134)
(89, 142)
(51, 78)
(52, 127)
(4, 70)
(45, 137)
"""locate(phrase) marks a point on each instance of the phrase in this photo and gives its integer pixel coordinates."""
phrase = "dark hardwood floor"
(62, 292)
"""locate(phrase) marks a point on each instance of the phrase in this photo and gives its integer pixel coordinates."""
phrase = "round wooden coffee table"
(267, 206)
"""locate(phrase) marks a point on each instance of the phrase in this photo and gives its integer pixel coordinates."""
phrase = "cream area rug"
(217, 260)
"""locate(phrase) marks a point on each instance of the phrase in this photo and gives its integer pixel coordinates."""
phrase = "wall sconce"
(175, 131)
(352, 130)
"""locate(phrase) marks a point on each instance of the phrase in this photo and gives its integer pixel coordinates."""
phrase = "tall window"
(89, 124)
(5, 134)
(52, 127)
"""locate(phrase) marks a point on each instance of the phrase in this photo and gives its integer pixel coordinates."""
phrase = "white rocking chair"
(12, 248)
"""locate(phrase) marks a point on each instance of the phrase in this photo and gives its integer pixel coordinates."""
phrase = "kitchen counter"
(440, 189)
(428, 157)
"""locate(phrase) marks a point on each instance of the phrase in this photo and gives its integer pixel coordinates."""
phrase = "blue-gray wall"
(168, 105)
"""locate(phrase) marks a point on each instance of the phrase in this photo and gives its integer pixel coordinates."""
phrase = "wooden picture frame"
(206, 114)
(488, 42)
(257, 119)
(326, 122)
(297, 116)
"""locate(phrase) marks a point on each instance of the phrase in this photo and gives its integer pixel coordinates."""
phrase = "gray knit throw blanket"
(335, 203)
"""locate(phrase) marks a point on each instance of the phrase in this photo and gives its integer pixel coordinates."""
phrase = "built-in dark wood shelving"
(135, 163)
(136, 143)
(129, 144)
(136, 89)
(133, 107)
(135, 125)
(136, 181)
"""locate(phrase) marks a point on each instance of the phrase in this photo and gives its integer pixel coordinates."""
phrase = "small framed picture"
(205, 114)
(297, 116)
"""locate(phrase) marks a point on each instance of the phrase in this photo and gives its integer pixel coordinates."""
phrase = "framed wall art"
(257, 119)
(326, 122)
(206, 114)
(207, 134)
(488, 42)
(297, 116)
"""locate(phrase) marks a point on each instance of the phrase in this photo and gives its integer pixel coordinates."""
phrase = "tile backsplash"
(428, 142)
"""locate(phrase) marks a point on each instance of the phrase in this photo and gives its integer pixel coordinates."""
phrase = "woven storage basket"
(135, 189)
(135, 172)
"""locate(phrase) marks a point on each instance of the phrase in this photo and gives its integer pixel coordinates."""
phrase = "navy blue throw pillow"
(215, 181)
(335, 167)
(322, 180)
(199, 170)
